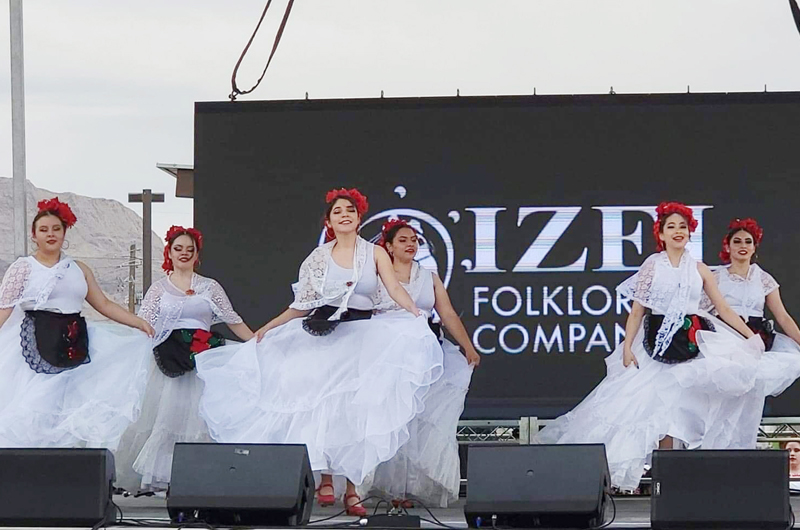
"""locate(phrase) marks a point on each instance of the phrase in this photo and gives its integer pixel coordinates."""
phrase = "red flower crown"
(664, 210)
(361, 201)
(362, 205)
(59, 209)
(172, 235)
(388, 225)
(750, 226)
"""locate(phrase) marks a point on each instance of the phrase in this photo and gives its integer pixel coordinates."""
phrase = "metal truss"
(522, 431)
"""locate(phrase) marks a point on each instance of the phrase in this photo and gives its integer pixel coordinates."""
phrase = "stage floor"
(632, 512)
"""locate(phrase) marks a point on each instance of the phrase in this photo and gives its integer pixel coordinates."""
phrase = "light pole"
(147, 198)
(18, 128)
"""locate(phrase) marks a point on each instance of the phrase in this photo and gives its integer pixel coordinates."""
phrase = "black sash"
(54, 342)
(683, 346)
(317, 323)
(175, 356)
(764, 327)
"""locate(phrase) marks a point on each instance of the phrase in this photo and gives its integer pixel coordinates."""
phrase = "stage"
(633, 512)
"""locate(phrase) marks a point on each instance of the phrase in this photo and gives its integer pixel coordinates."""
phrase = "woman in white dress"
(674, 362)
(65, 382)
(748, 289)
(427, 467)
(324, 373)
(181, 307)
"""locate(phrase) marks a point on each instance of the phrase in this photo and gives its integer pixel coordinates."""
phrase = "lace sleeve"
(768, 283)
(639, 286)
(151, 304)
(312, 273)
(382, 301)
(705, 302)
(223, 309)
(14, 282)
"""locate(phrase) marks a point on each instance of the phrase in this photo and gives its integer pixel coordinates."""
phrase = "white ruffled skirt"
(777, 369)
(170, 414)
(427, 467)
(349, 396)
(632, 409)
(88, 406)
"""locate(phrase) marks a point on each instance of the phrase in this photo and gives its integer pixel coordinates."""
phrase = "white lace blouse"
(746, 296)
(27, 283)
(167, 308)
(666, 290)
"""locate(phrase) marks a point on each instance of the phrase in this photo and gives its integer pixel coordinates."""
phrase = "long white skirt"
(777, 370)
(88, 406)
(632, 409)
(427, 467)
(170, 414)
(349, 396)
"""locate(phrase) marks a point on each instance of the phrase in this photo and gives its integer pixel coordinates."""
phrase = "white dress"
(350, 395)
(170, 412)
(631, 409)
(427, 467)
(89, 405)
(777, 369)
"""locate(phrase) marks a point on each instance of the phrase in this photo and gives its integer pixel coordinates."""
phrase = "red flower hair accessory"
(388, 225)
(664, 210)
(749, 225)
(361, 201)
(172, 235)
(59, 209)
(361, 205)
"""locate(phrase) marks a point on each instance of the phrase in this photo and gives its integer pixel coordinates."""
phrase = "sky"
(110, 86)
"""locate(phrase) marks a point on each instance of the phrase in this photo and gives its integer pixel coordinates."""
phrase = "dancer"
(662, 377)
(181, 307)
(748, 289)
(345, 385)
(65, 382)
(427, 467)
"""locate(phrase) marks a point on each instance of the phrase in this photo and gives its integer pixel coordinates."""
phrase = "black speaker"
(525, 486)
(241, 484)
(56, 487)
(720, 489)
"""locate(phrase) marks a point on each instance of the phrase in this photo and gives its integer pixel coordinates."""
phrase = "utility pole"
(147, 198)
(132, 280)
(18, 128)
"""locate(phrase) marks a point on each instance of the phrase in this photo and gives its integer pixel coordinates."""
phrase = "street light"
(147, 198)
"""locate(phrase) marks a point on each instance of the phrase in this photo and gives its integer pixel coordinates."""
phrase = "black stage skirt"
(317, 323)
(683, 346)
(764, 327)
(175, 356)
(54, 342)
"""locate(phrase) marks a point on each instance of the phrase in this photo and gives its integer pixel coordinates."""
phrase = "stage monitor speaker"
(56, 487)
(526, 486)
(241, 484)
(720, 489)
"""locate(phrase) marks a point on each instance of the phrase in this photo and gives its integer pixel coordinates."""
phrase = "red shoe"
(403, 503)
(354, 509)
(325, 500)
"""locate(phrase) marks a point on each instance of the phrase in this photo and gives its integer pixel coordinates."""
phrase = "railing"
(523, 430)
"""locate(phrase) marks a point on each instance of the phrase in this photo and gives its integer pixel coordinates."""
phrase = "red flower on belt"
(691, 323)
(201, 340)
(72, 340)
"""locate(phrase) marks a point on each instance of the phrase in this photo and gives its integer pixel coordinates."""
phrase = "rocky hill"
(101, 238)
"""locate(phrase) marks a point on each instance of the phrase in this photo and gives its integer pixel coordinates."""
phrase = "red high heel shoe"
(325, 500)
(354, 509)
